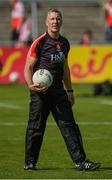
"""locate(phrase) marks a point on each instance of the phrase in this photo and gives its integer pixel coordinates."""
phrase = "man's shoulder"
(42, 36)
(64, 39)
(39, 39)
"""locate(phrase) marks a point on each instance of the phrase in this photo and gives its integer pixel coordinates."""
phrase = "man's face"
(53, 22)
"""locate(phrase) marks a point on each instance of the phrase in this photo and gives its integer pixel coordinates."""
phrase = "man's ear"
(61, 22)
(46, 23)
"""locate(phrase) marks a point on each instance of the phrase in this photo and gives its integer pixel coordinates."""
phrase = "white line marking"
(86, 123)
(57, 138)
(9, 106)
(11, 124)
(96, 123)
(106, 102)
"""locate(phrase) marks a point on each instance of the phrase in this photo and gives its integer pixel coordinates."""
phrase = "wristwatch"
(70, 90)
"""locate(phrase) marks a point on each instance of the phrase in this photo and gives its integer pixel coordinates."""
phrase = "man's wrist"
(70, 90)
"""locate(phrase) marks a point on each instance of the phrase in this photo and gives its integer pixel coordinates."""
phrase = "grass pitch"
(94, 116)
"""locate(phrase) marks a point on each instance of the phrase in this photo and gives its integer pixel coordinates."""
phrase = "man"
(86, 38)
(50, 51)
(108, 20)
(25, 35)
(17, 16)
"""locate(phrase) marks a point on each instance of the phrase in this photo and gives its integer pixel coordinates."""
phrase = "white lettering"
(57, 58)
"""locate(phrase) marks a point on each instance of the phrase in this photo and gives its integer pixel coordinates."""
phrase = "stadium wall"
(92, 64)
(78, 15)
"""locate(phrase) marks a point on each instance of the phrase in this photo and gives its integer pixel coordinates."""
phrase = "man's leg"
(62, 112)
(36, 127)
(63, 115)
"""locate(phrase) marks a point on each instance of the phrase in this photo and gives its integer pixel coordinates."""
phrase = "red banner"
(13, 61)
(90, 64)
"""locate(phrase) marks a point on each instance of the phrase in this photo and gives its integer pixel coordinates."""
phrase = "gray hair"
(54, 10)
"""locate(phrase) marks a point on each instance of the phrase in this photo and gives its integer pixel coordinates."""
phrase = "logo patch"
(57, 58)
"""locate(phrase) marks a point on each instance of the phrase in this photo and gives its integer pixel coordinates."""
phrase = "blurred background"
(88, 26)
(78, 15)
(86, 23)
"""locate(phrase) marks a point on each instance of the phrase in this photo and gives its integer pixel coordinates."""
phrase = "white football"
(42, 77)
(14, 77)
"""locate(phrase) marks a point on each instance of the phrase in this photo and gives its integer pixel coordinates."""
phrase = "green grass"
(93, 115)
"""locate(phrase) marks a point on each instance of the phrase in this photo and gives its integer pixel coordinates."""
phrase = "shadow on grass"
(52, 168)
(43, 169)
(106, 168)
(61, 169)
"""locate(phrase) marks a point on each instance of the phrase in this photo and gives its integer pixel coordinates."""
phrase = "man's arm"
(28, 73)
(67, 82)
(28, 70)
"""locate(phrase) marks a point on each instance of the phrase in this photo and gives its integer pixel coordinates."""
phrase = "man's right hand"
(37, 88)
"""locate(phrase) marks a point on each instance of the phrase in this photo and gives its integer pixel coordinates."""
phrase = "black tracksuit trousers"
(55, 101)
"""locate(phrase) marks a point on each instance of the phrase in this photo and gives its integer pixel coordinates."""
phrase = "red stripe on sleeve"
(31, 51)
